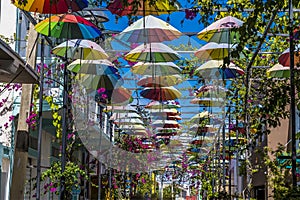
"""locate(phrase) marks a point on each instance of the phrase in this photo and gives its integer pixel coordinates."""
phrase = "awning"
(13, 68)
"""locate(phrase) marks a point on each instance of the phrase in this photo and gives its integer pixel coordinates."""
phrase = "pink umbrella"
(284, 58)
(219, 31)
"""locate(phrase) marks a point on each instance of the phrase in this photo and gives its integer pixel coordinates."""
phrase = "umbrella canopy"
(212, 102)
(148, 30)
(214, 51)
(152, 52)
(80, 49)
(142, 7)
(284, 58)
(160, 69)
(128, 121)
(220, 31)
(132, 127)
(162, 81)
(168, 111)
(94, 82)
(165, 124)
(211, 91)
(160, 93)
(96, 67)
(279, 71)
(51, 7)
(202, 115)
(68, 26)
(214, 69)
(116, 116)
(121, 109)
(162, 105)
(118, 95)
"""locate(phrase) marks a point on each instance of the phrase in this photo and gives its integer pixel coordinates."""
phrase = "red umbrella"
(284, 58)
(51, 6)
(133, 7)
(160, 93)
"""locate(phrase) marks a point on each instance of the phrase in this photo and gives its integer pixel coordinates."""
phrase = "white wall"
(8, 18)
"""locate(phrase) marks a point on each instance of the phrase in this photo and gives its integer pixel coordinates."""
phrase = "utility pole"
(292, 93)
(22, 133)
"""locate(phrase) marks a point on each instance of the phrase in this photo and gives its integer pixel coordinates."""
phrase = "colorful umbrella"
(214, 69)
(215, 51)
(160, 69)
(80, 49)
(284, 58)
(160, 93)
(119, 95)
(210, 91)
(121, 109)
(94, 82)
(68, 26)
(168, 111)
(142, 7)
(116, 116)
(162, 105)
(220, 31)
(152, 52)
(212, 102)
(96, 67)
(148, 30)
(161, 81)
(51, 7)
(165, 124)
(279, 71)
(128, 121)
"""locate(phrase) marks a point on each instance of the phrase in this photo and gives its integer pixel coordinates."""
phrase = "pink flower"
(101, 90)
(143, 180)
(104, 96)
(70, 135)
(11, 118)
(6, 125)
(53, 189)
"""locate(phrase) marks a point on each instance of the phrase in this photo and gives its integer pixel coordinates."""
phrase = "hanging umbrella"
(120, 95)
(214, 69)
(221, 31)
(148, 30)
(96, 67)
(160, 93)
(215, 51)
(284, 58)
(162, 105)
(114, 96)
(94, 82)
(80, 49)
(68, 26)
(279, 71)
(168, 111)
(128, 121)
(152, 52)
(160, 69)
(161, 81)
(121, 109)
(211, 102)
(142, 7)
(116, 116)
(133, 128)
(174, 117)
(211, 91)
(165, 124)
(50, 7)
